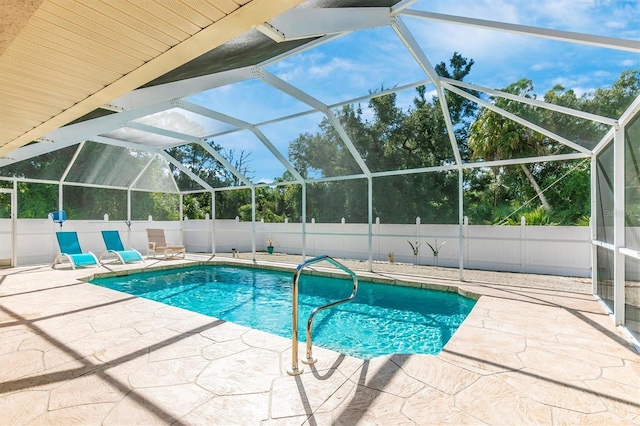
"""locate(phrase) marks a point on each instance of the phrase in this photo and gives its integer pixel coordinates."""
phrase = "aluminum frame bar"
(76, 133)
(298, 94)
(619, 277)
(169, 158)
(533, 102)
(414, 48)
(297, 24)
(192, 139)
(518, 120)
(528, 160)
(206, 112)
(166, 92)
(418, 54)
(568, 36)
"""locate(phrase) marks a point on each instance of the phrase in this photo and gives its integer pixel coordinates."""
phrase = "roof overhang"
(61, 60)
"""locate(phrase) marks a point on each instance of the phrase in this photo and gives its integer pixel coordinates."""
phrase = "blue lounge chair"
(114, 247)
(70, 250)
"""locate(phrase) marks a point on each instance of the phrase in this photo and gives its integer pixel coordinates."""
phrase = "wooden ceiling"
(61, 59)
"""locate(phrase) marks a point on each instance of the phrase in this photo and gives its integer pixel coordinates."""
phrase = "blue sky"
(366, 60)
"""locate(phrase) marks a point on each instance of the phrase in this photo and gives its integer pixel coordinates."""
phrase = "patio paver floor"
(74, 353)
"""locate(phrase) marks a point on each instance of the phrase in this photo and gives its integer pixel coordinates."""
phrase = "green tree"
(495, 137)
(566, 183)
(393, 139)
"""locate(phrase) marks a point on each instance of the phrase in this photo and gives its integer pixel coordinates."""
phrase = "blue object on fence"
(58, 216)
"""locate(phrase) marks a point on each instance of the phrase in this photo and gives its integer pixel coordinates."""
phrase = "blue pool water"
(381, 320)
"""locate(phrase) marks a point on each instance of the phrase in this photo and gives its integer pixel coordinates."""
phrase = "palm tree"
(495, 137)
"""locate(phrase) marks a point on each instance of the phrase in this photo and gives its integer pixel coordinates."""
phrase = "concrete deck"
(73, 353)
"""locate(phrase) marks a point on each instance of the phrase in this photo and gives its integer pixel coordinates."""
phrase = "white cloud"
(614, 25)
(335, 65)
(628, 63)
(541, 66)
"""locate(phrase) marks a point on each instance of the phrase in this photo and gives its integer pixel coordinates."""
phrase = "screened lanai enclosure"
(372, 130)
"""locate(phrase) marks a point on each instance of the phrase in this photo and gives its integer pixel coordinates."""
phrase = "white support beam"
(314, 111)
(416, 171)
(515, 161)
(402, 5)
(298, 94)
(416, 51)
(89, 128)
(76, 133)
(290, 90)
(518, 120)
(606, 139)
(414, 48)
(144, 169)
(630, 112)
(533, 102)
(64, 176)
(213, 223)
(206, 112)
(349, 143)
(593, 223)
(267, 143)
(234, 188)
(162, 132)
(165, 92)
(192, 139)
(567, 36)
(442, 99)
(126, 144)
(21, 179)
(618, 226)
(215, 154)
(184, 170)
(297, 24)
(335, 178)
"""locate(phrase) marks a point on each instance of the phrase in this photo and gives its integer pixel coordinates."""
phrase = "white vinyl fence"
(554, 250)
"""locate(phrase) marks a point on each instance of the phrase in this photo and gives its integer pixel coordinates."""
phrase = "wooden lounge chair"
(158, 244)
(70, 251)
(115, 248)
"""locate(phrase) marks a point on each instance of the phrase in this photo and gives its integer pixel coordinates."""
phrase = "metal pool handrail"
(294, 370)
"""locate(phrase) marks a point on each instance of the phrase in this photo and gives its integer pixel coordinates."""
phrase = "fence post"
(237, 234)
(286, 236)
(313, 241)
(342, 222)
(378, 238)
(417, 257)
(523, 253)
(465, 242)
(208, 230)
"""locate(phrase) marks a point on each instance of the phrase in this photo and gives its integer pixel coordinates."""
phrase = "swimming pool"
(383, 319)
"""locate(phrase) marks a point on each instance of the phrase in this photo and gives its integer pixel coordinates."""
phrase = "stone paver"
(73, 353)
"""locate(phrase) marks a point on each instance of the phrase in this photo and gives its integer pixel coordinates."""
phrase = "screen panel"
(604, 195)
